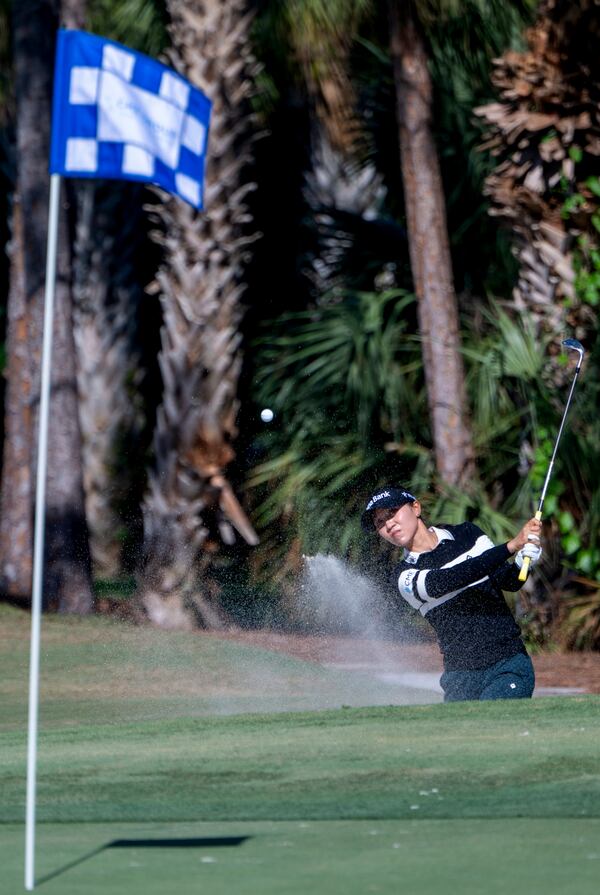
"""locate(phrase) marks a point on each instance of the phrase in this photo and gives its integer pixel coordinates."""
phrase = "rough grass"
(471, 797)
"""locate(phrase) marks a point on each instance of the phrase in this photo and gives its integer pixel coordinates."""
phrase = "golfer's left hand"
(532, 551)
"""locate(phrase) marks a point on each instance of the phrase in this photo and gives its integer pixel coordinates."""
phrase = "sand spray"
(336, 599)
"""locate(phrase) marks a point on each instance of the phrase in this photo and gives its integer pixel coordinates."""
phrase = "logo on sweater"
(405, 582)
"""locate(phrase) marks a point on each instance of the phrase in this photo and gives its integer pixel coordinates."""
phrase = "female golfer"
(455, 576)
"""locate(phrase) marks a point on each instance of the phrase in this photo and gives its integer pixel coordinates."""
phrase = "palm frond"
(141, 24)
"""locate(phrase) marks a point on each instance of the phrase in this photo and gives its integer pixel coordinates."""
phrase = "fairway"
(149, 794)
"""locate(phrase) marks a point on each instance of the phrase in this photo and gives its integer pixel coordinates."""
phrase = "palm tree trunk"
(16, 498)
(190, 508)
(73, 13)
(68, 565)
(429, 250)
(105, 307)
(33, 24)
(68, 582)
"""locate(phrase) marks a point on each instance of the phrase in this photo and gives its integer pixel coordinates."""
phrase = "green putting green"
(427, 857)
(147, 792)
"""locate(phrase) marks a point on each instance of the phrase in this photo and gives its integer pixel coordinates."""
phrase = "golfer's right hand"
(530, 532)
(532, 552)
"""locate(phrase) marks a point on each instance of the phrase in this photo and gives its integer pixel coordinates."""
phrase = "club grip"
(524, 572)
(526, 562)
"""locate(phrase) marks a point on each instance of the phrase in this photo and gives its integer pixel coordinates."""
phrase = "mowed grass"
(428, 857)
(150, 791)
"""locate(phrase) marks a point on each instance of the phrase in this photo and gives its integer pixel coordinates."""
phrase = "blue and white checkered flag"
(119, 114)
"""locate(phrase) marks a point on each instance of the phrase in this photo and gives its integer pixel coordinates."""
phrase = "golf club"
(571, 345)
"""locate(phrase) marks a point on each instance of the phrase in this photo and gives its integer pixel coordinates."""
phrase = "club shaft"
(524, 572)
(560, 431)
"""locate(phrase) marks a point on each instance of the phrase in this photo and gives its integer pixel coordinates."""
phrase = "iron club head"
(574, 345)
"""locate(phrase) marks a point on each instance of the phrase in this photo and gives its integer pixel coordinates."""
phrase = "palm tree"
(16, 523)
(74, 13)
(109, 231)
(322, 34)
(429, 248)
(190, 507)
(106, 297)
(544, 135)
(344, 378)
(68, 583)
(545, 138)
(345, 199)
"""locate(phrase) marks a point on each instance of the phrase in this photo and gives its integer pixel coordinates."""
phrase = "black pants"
(512, 678)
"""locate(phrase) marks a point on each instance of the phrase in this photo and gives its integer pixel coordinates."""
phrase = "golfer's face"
(397, 525)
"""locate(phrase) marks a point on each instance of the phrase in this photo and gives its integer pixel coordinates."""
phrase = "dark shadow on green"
(201, 842)
(191, 842)
(69, 866)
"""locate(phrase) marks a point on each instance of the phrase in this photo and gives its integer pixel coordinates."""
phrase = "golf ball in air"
(266, 415)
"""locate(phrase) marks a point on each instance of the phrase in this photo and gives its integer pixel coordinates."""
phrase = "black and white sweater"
(458, 587)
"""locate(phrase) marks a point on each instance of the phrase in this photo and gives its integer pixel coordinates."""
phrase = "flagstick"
(38, 542)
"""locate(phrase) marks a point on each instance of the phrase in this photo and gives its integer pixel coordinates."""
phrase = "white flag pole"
(38, 541)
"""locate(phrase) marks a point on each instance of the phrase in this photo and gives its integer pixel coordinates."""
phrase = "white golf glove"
(533, 551)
